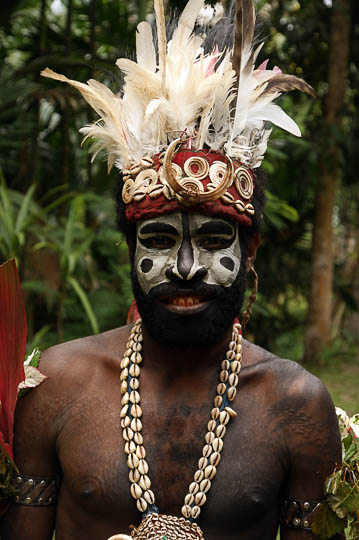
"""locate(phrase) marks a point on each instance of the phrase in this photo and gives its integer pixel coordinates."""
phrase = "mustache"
(200, 289)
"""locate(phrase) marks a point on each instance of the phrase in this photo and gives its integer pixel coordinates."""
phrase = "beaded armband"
(35, 490)
(298, 514)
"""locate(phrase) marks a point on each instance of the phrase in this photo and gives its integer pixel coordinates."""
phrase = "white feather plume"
(187, 91)
(145, 50)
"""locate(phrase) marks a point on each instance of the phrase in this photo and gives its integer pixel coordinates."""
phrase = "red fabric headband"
(235, 204)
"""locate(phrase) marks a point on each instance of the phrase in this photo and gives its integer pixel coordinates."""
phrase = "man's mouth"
(183, 301)
(188, 303)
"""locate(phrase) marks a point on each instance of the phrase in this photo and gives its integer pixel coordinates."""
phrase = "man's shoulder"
(73, 361)
(76, 373)
(287, 379)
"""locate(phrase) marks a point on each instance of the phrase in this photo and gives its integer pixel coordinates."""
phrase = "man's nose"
(185, 267)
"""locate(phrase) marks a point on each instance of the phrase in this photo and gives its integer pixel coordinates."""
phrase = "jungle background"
(57, 215)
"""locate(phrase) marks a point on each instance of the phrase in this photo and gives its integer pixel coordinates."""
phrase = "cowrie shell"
(142, 466)
(186, 511)
(141, 504)
(136, 491)
(195, 511)
(134, 475)
(149, 496)
(210, 472)
(200, 498)
(132, 461)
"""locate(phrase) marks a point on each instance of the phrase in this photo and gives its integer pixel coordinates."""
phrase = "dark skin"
(283, 443)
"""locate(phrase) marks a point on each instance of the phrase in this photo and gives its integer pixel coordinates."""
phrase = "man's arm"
(313, 446)
(35, 456)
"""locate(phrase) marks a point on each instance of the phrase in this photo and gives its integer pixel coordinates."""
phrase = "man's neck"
(167, 358)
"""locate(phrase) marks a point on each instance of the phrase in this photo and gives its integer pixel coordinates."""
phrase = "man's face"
(180, 246)
(186, 276)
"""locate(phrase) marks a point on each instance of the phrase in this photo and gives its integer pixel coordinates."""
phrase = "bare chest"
(244, 491)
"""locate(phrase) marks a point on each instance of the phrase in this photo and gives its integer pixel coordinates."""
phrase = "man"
(177, 417)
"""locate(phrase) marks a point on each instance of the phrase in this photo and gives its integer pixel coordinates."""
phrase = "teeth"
(184, 301)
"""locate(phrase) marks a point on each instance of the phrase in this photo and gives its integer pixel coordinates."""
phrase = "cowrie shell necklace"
(159, 526)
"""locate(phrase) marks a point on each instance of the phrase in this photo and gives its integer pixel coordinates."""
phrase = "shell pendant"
(162, 527)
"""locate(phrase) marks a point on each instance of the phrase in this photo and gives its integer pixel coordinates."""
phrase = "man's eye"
(159, 242)
(215, 242)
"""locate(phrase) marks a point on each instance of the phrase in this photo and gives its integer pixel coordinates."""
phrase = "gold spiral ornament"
(244, 182)
(196, 167)
(192, 184)
(217, 172)
(185, 192)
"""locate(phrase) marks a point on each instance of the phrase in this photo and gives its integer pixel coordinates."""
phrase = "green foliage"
(340, 510)
(15, 219)
(331, 524)
(7, 471)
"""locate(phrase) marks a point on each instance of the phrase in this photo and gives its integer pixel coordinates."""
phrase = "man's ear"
(252, 250)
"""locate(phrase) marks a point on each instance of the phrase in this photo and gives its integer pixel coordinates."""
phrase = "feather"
(186, 23)
(99, 97)
(284, 83)
(162, 42)
(245, 83)
(237, 49)
(273, 113)
(257, 51)
(196, 88)
(145, 50)
(110, 130)
(242, 60)
(145, 83)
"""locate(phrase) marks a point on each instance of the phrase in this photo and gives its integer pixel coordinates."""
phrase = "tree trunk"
(318, 330)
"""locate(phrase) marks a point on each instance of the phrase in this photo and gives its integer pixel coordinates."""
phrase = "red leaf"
(13, 331)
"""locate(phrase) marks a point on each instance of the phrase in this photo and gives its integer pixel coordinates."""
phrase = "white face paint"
(186, 245)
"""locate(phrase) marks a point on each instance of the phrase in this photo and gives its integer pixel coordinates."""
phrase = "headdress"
(189, 128)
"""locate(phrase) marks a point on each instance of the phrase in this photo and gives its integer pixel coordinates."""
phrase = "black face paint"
(146, 265)
(197, 330)
(228, 263)
(185, 252)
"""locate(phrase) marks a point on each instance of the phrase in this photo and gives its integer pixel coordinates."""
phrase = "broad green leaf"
(346, 499)
(326, 522)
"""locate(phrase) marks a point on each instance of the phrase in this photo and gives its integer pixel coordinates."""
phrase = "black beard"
(197, 330)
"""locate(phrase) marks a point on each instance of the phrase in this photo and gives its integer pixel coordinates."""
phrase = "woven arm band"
(35, 490)
(298, 514)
